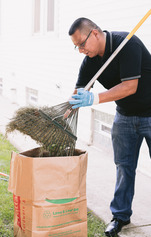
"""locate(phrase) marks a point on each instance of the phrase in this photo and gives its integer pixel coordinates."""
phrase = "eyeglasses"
(81, 46)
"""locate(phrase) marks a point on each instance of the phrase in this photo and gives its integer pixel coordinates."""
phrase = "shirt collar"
(108, 46)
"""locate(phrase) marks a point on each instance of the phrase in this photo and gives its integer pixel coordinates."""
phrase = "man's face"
(87, 44)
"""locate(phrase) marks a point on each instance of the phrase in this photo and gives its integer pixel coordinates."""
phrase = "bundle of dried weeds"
(54, 135)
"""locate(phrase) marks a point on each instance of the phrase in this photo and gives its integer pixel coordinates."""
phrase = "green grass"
(6, 198)
(95, 225)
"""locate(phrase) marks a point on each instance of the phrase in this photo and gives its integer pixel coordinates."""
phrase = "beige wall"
(47, 62)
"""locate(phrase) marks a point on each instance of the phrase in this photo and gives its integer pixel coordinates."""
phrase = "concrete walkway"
(100, 179)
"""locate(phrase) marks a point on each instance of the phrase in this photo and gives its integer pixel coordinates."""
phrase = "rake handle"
(88, 86)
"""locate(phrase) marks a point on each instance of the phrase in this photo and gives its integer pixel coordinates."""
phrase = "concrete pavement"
(100, 179)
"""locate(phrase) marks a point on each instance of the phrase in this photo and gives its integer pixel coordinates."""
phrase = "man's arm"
(119, 91)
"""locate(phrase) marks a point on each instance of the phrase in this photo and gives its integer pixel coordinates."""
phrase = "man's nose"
(81, 50)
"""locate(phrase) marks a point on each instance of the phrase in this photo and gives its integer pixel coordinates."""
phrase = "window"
(50, 15)
(31, 96)
(37, 16)
(43, 16)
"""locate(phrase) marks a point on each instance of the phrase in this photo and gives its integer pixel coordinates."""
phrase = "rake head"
(54, 128)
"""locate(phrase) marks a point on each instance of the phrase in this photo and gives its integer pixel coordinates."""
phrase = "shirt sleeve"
(83, 75)
(87, 71)
(130, 61)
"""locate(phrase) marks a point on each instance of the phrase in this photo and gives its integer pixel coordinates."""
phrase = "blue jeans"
(127, 136)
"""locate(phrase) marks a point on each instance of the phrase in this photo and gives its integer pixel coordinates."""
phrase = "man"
(128, 80)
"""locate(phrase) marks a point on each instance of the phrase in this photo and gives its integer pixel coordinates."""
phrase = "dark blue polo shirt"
(132, 62)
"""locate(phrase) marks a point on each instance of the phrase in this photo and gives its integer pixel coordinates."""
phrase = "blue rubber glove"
(82, 98)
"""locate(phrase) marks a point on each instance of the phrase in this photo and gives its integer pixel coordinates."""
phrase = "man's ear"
(96, 33)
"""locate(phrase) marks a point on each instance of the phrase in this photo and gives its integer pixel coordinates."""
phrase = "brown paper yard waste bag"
(49, 194)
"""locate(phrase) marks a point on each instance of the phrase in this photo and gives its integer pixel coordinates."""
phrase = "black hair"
(83, 24)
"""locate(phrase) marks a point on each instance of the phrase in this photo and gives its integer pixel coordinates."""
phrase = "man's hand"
(83, 98)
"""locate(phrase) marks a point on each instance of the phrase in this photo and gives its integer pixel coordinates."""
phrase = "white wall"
(48, 62)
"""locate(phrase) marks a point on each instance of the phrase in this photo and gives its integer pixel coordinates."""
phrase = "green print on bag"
(60, 201)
